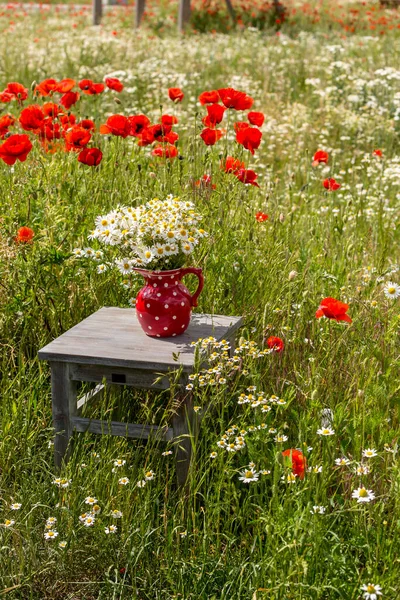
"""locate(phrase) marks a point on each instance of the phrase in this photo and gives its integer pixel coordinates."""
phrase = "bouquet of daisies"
(156, 236)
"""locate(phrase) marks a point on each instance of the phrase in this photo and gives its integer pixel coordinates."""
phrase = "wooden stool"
(111, 347)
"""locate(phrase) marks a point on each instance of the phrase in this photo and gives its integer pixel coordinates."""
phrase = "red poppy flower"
(215, 115)
(256, 118)
(233, 99)
(261, 217)
(114, 84)
(116, 125)
(5, 122)
(205, 182)
(275, 343)
(31, 118)
(69, 99)
(171, 137)
(24, 235)
(50, 109)
(168, 120)
(87, 124)
(6, 97)
(209, 97)
(297, 460)
(331, 184)
(17, 91)
(232, 165)
(249, 137)
(176, 94)
(239, 125)
(247, 176)
(211, 136)
(166, 151)
(50, 130)
(333, 309)
(90, 156)
(77, 138)
(46, 87)
(65, 85)
(157, 132)
(320, 157)
(90, 88)
(137, 123)
(378, 153)
(67, 120)
(16, 147)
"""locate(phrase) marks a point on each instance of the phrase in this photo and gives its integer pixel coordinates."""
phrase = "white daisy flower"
(90, 500)
(391, 290)
(141, 484)
(318, 510)
(363, 495)
(89, 521)
(248, 475)
(369, 453)
(371, 591)
(8, 523)
(111, 529)
(119, 462)
(15, 506)
(343, 461)
(62, 544)
(326, 431)
(123, 481)
(50, 535)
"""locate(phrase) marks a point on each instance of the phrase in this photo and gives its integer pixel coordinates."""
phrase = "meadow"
(295, 480)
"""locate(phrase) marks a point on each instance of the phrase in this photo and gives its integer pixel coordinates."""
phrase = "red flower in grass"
(17, 91)
(275, 343)
(205, 182)
(6, 97)
(232, 165)
(90, 156)
(16, 147)
(320, 157)
(90, 88)
(77, 138)
(87, 124)
(331, 184)
(240, 125)
(5, 122)
(66, 121)
(233, 99)
(137, 124)
(156, 133)
(209, 97)
(378, 153)
(46, 87)
(24, 235)
(50, 109)
(256, 118)
(211, 136)
(168, 120)
(114, 84)
(166, 151)
(333, 309)
(297, 462)
(50, 130)
(250, 138)
(116, 125)
(65, 85)
(247, 176)
(69, 99)
(31, 118)
(176, 94)
(261, 217)
(215, 115)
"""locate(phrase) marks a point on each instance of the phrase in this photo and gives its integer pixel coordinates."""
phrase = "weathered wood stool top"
(111, 347)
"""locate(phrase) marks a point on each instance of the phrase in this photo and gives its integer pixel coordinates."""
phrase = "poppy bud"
(152, 175)
(117, 101)
(139, 168)
(33, 85)
(281, 217)
(292, 275)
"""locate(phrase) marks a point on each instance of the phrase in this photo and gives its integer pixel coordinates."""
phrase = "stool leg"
(64, 406)
(184, 425)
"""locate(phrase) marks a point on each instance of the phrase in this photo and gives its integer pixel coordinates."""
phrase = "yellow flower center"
(363, 493)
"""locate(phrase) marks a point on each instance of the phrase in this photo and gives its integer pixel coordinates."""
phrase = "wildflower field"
(277, 145)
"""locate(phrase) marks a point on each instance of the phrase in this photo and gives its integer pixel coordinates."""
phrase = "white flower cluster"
(157, 235)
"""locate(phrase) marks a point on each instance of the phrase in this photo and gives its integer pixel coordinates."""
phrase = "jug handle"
(199, 274)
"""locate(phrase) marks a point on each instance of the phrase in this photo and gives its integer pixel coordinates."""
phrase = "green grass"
(243, 541)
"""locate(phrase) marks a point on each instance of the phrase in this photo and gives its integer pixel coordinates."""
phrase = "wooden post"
(97, 6)
(184, 424)
(64, 405)
(231, 10)
(139, 10)
(184, 14)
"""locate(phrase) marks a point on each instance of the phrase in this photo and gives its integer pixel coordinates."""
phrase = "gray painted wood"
(64, 406)
(139, 10)
(130, 430)
(113, 337)
(184, 424)
(184, 14)
(136, 378)
(97, 8)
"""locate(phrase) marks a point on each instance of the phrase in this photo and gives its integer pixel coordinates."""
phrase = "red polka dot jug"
(164, 304)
